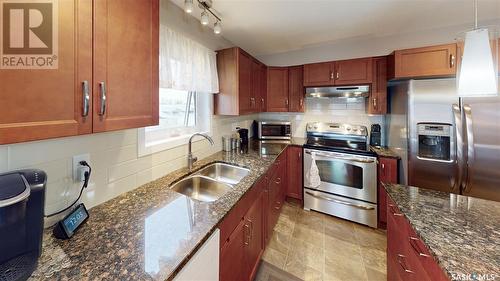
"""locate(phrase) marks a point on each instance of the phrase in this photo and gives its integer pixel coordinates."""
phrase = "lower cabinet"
(294, 169)
(407, 256)
(248, 227)
(388, 173)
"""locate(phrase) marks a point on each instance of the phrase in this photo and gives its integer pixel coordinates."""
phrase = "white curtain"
(185, 64)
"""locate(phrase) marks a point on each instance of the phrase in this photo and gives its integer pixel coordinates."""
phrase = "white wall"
(113, 156)
(366, 46)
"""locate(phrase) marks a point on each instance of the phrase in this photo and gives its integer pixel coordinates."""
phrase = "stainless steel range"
(340, 172)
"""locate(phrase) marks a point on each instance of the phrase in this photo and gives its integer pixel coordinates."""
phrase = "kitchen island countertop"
(463, 233)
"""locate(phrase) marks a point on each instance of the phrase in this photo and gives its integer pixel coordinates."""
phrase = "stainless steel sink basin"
(201, 188)
(224, 173)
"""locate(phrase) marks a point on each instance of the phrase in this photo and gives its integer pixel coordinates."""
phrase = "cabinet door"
(125, 64)
(296, 88)
(244, 82)
(388, 173)
(254, 244)
(377, 104)
(294, 170)
(41, 104)
(261, 99)
(356, 71)
(426, 62)
(256, 86)
(319, 74)
(277, 89)
(232, 256)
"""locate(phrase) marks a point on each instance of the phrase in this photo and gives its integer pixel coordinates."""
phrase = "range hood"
(338, 92)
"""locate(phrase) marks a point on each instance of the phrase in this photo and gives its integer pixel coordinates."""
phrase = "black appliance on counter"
(375, 135)
(243, 135)
(22, 199)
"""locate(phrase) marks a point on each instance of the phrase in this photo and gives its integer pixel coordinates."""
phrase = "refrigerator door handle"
(470, 146)
(457, 113)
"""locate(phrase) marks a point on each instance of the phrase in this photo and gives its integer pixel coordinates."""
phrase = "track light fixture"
(206, 6)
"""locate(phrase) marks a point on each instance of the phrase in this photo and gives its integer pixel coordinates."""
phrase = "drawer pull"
(394, 213)
(413, 242)
(400, 261)
(247, 236)
(278, 181)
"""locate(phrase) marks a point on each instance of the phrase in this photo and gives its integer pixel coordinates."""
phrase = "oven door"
(344, 174)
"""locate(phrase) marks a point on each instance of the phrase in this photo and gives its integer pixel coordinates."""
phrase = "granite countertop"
(148, 233)
(463, 233)
(383, 151)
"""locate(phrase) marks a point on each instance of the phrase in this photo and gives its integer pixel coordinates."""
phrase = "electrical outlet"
(78, 170)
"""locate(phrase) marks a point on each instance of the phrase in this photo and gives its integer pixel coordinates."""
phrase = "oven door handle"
(339, 201)
(353, 159)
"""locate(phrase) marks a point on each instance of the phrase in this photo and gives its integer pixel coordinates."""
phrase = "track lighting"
(204, 18)
(217, 28)
(188, 6)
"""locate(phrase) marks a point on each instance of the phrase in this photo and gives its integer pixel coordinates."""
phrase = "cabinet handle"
(400, 261)
(252, 102)
(375, 103)
(247, 237)
(262, 101)
(394, 213)
(452, 61)
(413, 241)
(102, 87)
(86, 98)
(286, 102)
(337, 75)
(301, 102)
(331, 75)
(278, 180)
(300, 156)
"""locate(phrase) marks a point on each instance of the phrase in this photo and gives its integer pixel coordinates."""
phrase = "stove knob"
(354, 130)
(348, 128)
(315, 127)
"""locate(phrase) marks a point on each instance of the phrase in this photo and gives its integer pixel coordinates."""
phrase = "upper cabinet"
(106, 76)
(277, 89)
(241, 83)
(433, 61)
(296, 89)
(377, 102)
(125, 64)
(356, 71)
(319, 74)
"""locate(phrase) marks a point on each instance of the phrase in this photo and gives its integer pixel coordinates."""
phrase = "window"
(188, 77)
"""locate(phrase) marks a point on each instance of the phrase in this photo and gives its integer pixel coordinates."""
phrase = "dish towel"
(314, 178)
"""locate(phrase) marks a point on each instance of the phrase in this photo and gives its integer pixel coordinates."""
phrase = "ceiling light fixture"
(188, 6)
(217, 28)
(478, 71)
(204, 18)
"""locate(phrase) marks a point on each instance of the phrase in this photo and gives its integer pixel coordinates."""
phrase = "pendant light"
(204, 18)
(188, 6)
(217, 28)
(478, 71)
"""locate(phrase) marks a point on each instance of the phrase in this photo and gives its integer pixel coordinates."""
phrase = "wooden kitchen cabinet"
(353, 72)
(232, 256)
(377, 102)
(294, 169)
(432, 61)
(125, 64)
(277, 89)
(319, 74)
(254, 224)
(296, 89)
(42, 104)
(387, 173)
(116, 61)
(408, 258)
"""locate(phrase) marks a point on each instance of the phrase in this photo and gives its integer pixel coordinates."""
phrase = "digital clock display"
(75, 219)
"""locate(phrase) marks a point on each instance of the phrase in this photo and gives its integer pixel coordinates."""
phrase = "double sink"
(211, 182)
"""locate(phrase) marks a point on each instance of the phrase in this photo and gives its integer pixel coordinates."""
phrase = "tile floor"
(314, 246)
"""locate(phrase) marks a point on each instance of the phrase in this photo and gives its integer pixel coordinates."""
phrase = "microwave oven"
(273, 130)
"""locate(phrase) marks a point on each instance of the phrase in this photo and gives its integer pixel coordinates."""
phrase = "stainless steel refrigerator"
(445, 142)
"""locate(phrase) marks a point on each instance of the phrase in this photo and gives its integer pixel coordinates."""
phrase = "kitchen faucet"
(192, 159)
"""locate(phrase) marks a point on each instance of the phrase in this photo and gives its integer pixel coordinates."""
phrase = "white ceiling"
(264, 27)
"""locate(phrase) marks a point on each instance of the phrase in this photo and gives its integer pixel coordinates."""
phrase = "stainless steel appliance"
(347, 172)
(446, 143)
(338, 92)
(22, 198)
(273, 130)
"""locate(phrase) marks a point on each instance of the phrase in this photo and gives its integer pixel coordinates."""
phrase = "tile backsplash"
(116, 167)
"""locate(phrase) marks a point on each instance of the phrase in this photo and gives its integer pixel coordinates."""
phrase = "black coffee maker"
(375, 135)
(22, 199)
(243, 135)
